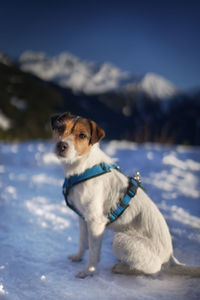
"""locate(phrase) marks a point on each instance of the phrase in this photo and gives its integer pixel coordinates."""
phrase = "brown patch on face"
(82, 135)
(63, 125)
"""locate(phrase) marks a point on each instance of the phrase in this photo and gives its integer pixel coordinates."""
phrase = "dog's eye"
(61, 129)
(82, 136)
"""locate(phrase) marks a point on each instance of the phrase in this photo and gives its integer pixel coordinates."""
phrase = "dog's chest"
(95, 198)
(82, 197)
(76, 198)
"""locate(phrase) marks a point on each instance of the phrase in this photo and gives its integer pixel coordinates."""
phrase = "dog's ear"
(58, 119)
(53, 121)
(97, 133)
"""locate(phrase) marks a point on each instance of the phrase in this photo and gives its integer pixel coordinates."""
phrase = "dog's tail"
(174, 267)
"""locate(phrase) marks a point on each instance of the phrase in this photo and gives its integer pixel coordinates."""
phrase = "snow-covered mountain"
(91, 78)
(154, 86)
(69, 71)
(141, 108)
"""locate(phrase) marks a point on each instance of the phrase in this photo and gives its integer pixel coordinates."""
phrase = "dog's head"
(74, 135)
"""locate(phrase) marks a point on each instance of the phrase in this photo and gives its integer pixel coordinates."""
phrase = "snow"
(155, 86)
(188, 164)
(20, 104)
(89, 77)
(37, 230)
(69, 71)
(5, 123)
(2, 291)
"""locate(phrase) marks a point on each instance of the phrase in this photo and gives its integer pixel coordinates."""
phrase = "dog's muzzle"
(61, 148)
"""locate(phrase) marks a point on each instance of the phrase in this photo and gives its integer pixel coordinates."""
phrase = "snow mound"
(189, 164)
(44, 179)
(2, 291)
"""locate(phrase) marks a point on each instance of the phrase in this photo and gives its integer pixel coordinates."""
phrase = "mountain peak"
(69, 71)
(92, 78)
(154, 86)
(157, 86)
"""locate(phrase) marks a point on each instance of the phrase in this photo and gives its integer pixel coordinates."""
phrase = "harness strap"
(97, 171)
(124, 203)
(89, 173)
(93, 172)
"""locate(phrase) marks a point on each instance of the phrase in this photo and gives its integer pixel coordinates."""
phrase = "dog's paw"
(86, 272)
(82, 274)
(75, 257)
(120, 268)
(116, 269)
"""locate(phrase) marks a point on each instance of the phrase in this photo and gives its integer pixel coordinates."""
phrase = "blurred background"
(133, 66)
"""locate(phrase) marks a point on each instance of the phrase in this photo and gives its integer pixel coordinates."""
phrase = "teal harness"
(98, 170)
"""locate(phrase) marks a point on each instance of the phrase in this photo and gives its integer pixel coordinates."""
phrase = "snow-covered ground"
(37, 230)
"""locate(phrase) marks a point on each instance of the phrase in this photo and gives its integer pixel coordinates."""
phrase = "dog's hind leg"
(136, 253)
(122, 268)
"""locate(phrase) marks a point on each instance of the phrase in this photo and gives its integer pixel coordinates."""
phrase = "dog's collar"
(95, 171)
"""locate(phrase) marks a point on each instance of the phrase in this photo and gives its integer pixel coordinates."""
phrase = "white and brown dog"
(142, 241)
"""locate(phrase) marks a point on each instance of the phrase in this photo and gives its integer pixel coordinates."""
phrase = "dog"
(142, 241)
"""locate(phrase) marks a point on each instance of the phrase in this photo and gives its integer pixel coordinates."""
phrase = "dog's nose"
(62, 146)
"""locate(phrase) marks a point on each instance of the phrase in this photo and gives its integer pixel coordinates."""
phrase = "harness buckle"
(104, 167)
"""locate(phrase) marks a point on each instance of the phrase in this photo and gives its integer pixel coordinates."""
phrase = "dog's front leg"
(95, 234)
(83, 242)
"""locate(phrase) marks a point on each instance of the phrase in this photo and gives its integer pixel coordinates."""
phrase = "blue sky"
(137, 36)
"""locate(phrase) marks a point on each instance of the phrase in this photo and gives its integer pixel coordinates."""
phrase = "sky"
(136, 36)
